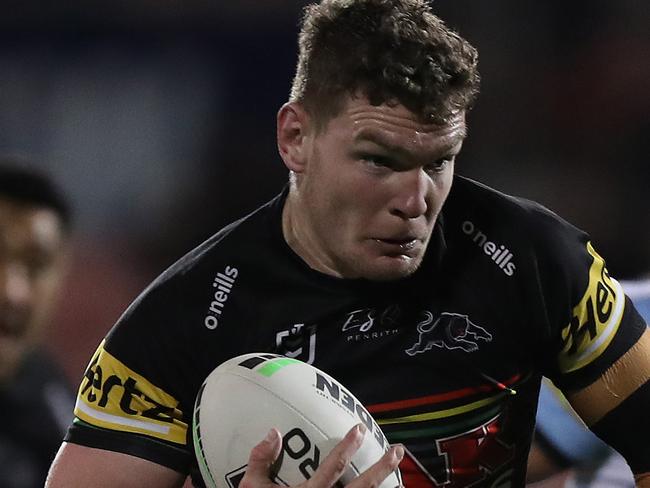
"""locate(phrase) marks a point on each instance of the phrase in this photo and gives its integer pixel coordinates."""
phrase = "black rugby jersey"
(447, 360)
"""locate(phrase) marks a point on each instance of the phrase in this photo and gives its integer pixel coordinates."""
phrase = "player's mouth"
(401, 246)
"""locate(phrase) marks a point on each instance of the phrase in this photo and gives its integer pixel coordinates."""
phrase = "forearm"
(79, 466)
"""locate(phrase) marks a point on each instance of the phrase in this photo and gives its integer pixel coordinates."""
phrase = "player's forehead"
(397, 128)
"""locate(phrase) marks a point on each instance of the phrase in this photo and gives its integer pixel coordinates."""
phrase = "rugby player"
(438, 301)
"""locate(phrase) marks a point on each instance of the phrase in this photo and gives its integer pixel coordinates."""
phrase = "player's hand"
(264, 454)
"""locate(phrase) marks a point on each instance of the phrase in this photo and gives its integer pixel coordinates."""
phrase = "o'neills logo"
(223, 283)
(499, 253)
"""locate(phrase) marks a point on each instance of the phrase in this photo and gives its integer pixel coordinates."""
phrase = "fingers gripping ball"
(243, 398)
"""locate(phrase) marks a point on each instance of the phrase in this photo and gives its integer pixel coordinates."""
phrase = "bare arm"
(610, 392)
(78, 466)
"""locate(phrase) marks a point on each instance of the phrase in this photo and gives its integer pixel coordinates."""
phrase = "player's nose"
(410, 200)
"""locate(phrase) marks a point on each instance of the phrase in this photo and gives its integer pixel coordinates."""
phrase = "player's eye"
(376, 161)
(439, 165)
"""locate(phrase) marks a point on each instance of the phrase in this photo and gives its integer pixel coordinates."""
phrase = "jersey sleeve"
(591, 322)
(135, 396)
(121, 410)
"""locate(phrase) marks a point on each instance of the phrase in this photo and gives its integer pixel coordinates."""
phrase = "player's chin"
(392, 267)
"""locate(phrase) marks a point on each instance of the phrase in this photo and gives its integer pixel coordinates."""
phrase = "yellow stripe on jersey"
(114, 397)
(595, 318)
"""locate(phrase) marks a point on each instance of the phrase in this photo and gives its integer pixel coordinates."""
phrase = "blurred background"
(158, 119)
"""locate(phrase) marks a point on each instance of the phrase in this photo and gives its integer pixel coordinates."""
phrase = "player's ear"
(293, 136)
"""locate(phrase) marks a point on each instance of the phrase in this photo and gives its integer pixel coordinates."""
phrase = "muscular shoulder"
(558, 274)
(243, 239)
(522, 248)
(144, 376)
(247, 236)
(501, 226)
(182, 305)
(472, 203)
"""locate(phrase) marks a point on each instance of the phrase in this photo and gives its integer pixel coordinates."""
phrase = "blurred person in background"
(472, 294)
(35, 398)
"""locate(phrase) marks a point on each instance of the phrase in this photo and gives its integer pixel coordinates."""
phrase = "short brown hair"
(388, 50)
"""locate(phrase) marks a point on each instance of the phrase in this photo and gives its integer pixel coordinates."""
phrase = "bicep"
(616, 384)
(616, 407)
(81, 466)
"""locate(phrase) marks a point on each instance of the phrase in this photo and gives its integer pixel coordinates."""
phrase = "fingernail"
(270, 437)
(361, 428)
(398, 452)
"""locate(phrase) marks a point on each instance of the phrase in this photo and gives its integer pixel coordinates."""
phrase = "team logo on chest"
(448, 331)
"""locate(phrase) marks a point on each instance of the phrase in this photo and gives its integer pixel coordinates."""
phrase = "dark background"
(158, 119)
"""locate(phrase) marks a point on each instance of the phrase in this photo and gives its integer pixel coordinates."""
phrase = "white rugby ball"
(243, 398)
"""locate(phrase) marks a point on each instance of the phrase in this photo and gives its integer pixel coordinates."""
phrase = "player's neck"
(299, 235)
